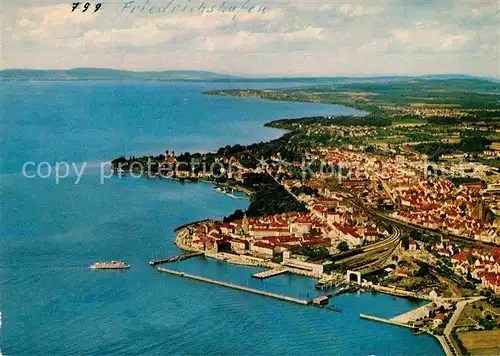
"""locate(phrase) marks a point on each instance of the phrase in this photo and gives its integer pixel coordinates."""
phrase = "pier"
(230, 193)
(270, 273)
(235, 286)
(382, 320)
(238, 188)
(182, 257)
(321, 300)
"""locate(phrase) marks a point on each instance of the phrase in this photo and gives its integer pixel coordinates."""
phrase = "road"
(446, 345)
(453, 320)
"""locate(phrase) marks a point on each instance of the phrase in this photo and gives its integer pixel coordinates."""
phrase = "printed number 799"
(85, 6)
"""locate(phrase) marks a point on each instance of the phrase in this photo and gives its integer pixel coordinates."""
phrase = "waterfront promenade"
(235, 286)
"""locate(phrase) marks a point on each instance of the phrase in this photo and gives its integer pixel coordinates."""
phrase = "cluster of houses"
(343, 223)
(269, 235)
(481, 264)
(364, 166)
(263, 236)
(435, 112)
(433, 203)
(340, 221)
(436, 203)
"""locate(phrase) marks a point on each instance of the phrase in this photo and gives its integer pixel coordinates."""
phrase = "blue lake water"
(53, 304)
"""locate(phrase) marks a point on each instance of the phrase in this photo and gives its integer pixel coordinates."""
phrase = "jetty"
(234, 286)
(225, 187)
(270, 273)
(382, 320)
(182, 257)
(333, 308)
(229, 193)
(321, 300)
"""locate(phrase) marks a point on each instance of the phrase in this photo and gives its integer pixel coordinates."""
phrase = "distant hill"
(195, 75)
(109, 74)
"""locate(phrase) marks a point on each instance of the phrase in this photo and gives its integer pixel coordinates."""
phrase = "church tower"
(245, 224)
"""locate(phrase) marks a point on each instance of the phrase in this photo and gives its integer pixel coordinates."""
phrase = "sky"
(257, 37)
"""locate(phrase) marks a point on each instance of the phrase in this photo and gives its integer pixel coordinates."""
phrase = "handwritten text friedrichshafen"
(176, 6)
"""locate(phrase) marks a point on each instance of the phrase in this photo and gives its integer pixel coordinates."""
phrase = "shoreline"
(242, 262)
(439, 338)
(200, 202)
(245, 261)
(236, 93)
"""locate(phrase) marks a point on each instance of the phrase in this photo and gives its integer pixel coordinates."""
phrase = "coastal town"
(358, 204)
(250, 178)
(395, 190)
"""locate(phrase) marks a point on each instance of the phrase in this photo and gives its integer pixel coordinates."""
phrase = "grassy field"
(491, 162)
(473, 311)
(495, 145)
(410, 122)
(386, 141)
(482, 342)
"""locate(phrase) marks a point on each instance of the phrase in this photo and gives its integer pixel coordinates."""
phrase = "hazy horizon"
(254, 76)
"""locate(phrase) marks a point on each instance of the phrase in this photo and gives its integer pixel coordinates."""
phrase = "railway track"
(376, 253)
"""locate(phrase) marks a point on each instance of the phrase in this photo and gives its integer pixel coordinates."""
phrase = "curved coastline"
(131, 220)
(241, 260)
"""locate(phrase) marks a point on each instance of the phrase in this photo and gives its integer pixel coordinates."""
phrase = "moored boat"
(110, 265)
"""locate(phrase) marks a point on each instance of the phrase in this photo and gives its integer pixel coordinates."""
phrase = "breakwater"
(235, 286)
(182, 257)
(191, 223)
(382, 320)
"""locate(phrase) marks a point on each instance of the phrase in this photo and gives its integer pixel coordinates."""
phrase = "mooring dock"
(270, 273)
(235, 286)
(182, 257)
(321, 300)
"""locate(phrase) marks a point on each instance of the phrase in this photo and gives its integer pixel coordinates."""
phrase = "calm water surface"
(52, 304)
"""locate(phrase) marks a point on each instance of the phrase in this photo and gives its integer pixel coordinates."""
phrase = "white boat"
(110, 265)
